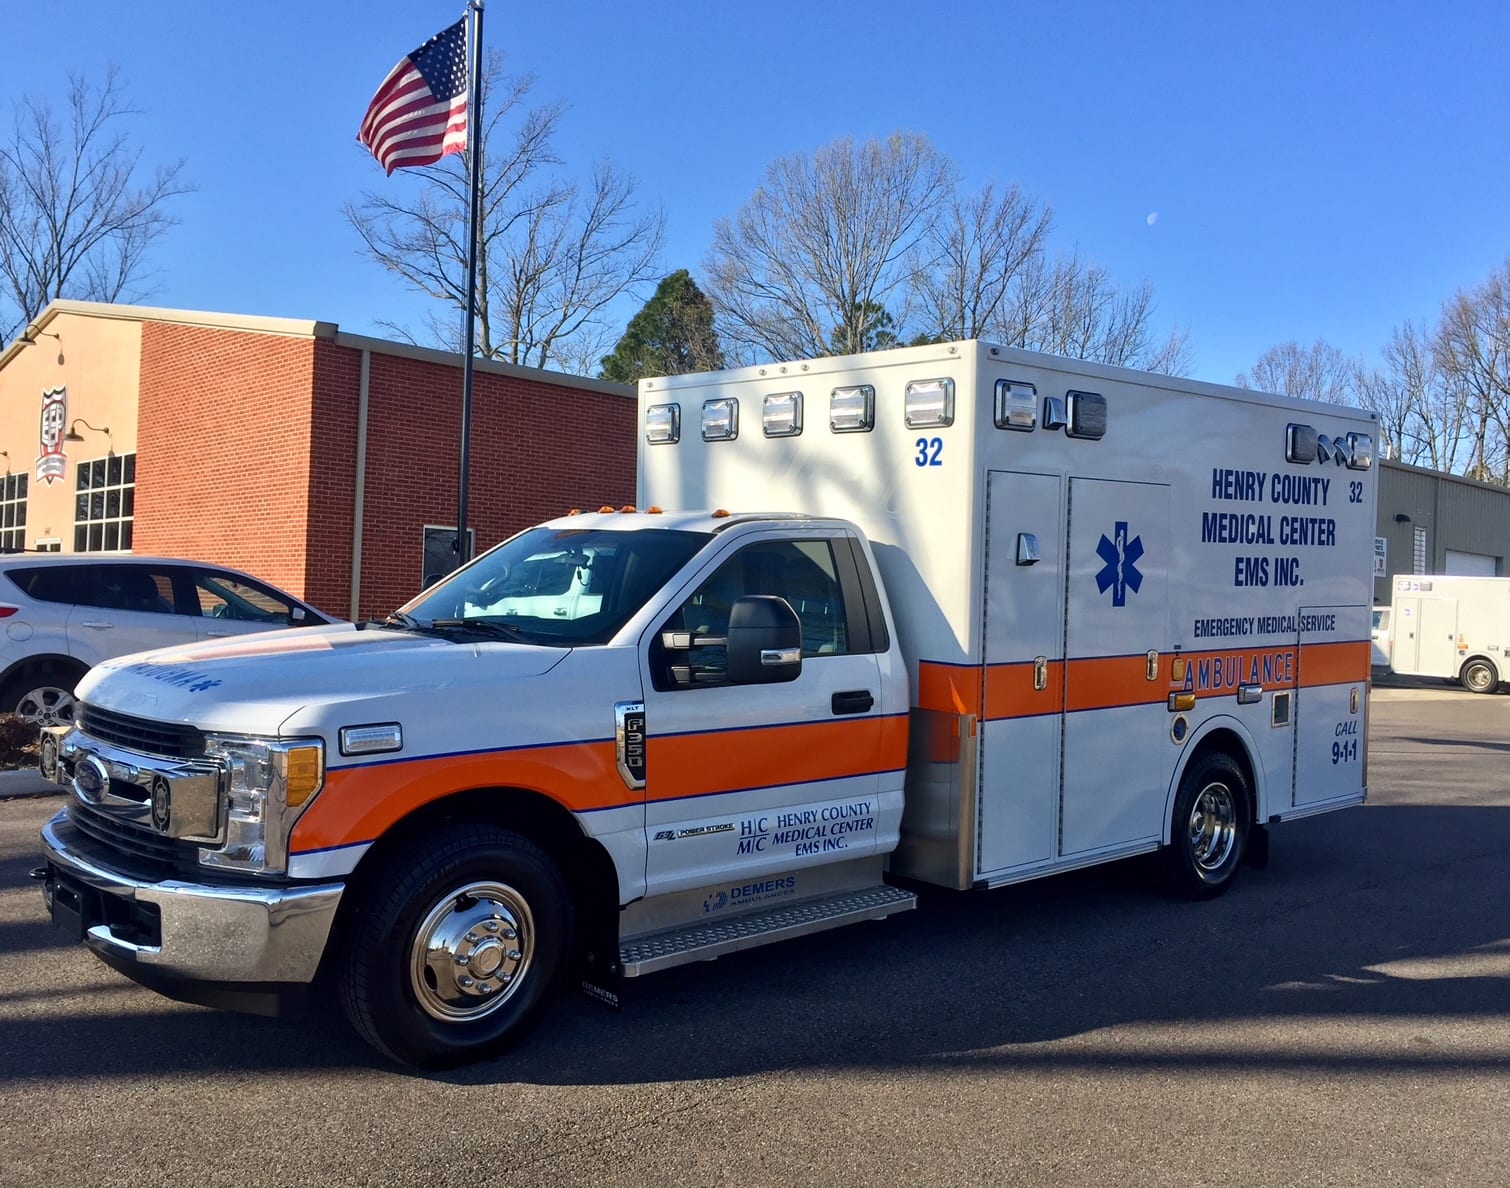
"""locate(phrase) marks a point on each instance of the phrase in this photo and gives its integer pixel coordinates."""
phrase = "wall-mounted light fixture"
(30, 335)
(73, 433)
(1401, 518)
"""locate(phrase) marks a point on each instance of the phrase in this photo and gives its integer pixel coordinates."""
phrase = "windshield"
(555, 586)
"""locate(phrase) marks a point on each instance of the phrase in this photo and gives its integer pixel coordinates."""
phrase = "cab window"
(690, 649)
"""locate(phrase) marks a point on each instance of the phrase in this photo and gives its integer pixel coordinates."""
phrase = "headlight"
(267, 784)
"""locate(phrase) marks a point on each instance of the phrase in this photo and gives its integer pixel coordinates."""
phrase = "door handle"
(216, 634)
(853, 701)
(96, 624)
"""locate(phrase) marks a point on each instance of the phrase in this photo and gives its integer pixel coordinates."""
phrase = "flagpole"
(475, 137)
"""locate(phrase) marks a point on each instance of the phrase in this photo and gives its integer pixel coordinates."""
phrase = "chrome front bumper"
(206, 932)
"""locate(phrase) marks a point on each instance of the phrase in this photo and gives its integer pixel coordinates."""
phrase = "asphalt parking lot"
(1342, 1017)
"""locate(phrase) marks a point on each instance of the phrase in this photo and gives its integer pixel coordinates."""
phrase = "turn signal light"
(1180, 702)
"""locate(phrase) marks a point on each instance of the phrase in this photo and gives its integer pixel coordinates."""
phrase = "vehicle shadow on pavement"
(1475, 744)
(1362, 916)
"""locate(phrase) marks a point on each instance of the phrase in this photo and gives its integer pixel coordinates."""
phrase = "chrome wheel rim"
(1213, 827)
(1478, 677)
(46, 705)
(471, 952)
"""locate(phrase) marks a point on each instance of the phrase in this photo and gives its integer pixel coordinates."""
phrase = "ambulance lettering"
(1263, 528)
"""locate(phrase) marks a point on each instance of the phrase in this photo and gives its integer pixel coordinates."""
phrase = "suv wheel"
(43, 697)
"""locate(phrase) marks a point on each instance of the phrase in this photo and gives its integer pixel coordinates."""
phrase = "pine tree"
(672, 335)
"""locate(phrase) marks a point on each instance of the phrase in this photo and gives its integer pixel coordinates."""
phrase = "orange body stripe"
(1335, 663)
(699, 764)
(1010, 692)
(949, 688)
(358, 804)
(362, 803)
(1106, 682)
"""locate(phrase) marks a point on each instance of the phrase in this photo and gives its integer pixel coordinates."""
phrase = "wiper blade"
(480, 626)
(402, 619)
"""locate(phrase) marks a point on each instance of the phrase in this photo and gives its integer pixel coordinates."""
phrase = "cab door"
(749, 780)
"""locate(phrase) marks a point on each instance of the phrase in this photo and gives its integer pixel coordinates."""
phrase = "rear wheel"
(43, 696)
(458, 948)
(1209, 829)
(1480, 676)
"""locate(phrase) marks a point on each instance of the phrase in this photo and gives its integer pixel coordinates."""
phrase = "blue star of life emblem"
(1120, 573)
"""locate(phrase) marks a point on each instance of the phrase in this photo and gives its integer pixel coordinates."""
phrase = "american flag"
(419, 114)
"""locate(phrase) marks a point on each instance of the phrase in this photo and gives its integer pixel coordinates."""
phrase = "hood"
(252, 685)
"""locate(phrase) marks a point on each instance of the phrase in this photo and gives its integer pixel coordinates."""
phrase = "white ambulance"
(951, 615)
(1457, 628)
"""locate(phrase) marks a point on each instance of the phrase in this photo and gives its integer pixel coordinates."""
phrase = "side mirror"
(765, 641)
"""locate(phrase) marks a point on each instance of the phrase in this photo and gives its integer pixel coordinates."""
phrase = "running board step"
(704, 942)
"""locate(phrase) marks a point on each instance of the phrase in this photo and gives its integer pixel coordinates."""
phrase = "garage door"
(1471, 564)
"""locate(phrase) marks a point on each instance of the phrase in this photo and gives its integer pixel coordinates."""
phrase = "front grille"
(121, 835)
(166, 739)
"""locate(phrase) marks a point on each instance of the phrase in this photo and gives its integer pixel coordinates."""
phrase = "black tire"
(493, 904)
(43, 696)
(1209, 827)
(1480, 676)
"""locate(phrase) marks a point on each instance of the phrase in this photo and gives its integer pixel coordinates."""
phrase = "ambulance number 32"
(930, 451)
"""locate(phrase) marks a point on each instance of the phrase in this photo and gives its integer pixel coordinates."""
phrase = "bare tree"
(974, 257)
(554, 253)
(1423, 415)
(73, 221)
(871, 244)
(824, 245)
(1317, 372)
(1472, 350)
(1075, 309)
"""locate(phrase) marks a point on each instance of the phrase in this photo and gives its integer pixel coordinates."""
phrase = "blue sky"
(1317, 170)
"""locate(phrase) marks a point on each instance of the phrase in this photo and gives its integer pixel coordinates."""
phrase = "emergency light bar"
(930, 402)
(721, 419)
(852, 410)
(663, 424)
(781, 414)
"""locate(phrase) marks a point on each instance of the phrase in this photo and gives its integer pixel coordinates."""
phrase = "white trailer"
(1457, 628)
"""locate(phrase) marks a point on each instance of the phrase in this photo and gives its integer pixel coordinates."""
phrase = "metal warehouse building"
(1438, 523)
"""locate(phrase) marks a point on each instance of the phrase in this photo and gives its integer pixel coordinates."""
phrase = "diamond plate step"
(703, 942)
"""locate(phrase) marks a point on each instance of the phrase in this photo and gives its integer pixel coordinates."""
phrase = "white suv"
(62, 613)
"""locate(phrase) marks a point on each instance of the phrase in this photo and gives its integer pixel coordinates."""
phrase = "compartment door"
(1331, 703)
(1117, 755)
(1018, 805)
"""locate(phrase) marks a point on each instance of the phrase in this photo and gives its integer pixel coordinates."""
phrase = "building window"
(1418, 549)
(105, 505)
(13, 513)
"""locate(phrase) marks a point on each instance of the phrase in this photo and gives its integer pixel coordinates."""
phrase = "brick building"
(321, 461)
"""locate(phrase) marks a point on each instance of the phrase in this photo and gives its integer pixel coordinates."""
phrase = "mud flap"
(1256, 852)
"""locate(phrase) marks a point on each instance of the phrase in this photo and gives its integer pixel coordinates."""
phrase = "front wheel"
(1209, 829)
(1480, 676)
(459, 947)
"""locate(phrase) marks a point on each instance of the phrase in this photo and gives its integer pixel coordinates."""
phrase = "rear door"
(1437, 637)
(124, 607)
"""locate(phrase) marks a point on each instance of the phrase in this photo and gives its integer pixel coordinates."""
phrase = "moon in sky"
(1153, 217)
